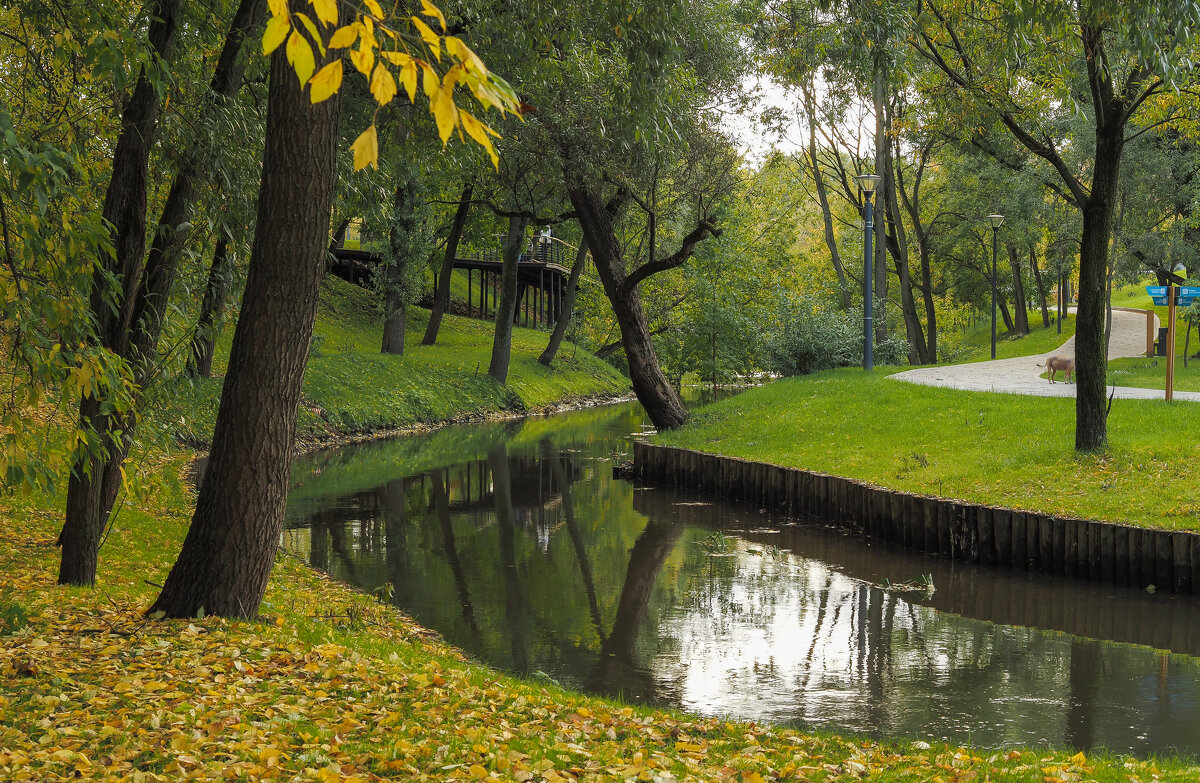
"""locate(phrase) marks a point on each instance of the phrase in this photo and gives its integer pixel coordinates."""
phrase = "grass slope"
(997, 449)
(351, 387)
(333, 685)
(1040, 340)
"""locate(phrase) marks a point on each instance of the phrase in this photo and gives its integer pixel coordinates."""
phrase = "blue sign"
(1183, 298)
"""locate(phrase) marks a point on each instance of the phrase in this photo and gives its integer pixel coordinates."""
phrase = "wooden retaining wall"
(1002, 537)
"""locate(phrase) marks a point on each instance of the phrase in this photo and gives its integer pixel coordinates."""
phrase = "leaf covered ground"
(332, 685)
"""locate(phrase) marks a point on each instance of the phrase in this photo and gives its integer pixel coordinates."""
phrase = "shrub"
(817, 336)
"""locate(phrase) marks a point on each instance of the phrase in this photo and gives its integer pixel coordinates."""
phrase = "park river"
(515, 542)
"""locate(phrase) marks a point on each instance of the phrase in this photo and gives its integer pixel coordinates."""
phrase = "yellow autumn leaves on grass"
(376, 47)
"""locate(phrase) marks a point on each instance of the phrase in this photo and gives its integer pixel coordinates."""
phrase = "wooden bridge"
(542, 276)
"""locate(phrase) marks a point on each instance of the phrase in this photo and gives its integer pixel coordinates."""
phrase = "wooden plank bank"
(1002, 537)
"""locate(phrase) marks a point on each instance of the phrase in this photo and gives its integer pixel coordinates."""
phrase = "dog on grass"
(1056, 363)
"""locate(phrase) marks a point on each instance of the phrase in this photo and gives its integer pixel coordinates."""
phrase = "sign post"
(1172, 296)
(1171, 342)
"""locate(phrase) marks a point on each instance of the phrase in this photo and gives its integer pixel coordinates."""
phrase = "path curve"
(1022, 374)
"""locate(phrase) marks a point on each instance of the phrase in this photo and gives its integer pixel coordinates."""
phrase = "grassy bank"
(331, 685)
(1040, 340)
(997, 449)
(350, 387)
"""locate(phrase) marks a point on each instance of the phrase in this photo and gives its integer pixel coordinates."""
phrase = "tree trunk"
(1041, 289)
(1002, 304)
(897, 244)
(883, 169)
(93, 473)
(211, 308)
(1091, 414)
(1020, 305)
(568, 306)
(230, 547)
(397, 287)
(441, 300)
(1020, 301)
(506, 308)
(653, 389)
(913, 207)
(823, 196)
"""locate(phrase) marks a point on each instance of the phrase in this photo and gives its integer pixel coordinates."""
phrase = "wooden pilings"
(1000, 537)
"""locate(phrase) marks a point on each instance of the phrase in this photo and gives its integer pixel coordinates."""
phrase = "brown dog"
(1056, 363)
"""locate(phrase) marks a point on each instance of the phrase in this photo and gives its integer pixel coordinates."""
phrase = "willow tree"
(626, 95)
(1020, 65)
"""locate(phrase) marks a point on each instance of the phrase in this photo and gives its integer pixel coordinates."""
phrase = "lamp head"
(868, 182)
(994, 220)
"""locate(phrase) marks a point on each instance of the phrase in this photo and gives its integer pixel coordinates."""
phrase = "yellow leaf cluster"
(304, 39)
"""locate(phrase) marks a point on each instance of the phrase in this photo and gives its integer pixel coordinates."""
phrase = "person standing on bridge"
(543, 248)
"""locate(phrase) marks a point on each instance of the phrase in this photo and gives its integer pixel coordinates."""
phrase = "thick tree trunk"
(1020, 304)
(94, 477)
(506, 308)
(823, 195)
(1091, 414)
(1041, 289)
(653, 389)
(397, 287)
(441, 300)
(230, 546)
(568, 306)
(211, 308)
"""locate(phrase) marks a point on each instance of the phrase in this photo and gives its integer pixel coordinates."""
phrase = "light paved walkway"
(1022, 375)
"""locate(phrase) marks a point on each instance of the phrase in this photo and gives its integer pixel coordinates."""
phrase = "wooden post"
(1171, 290)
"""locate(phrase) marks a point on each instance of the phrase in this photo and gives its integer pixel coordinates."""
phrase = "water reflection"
(515, 542)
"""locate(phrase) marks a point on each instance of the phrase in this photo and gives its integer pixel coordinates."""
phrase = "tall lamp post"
(868, 182)
(994, 221)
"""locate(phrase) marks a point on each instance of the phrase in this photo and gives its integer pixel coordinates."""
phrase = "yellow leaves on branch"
(375, 60)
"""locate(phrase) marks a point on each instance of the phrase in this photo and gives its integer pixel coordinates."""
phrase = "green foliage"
(817, 336)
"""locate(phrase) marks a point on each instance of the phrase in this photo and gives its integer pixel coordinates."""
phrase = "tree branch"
(703, 230)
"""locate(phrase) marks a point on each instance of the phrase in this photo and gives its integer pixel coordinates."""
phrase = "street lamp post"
(868, 182)
(994, 221)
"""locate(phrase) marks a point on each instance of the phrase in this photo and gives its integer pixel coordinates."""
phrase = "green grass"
(1005, 450)
(1039, 340)
(351, 387)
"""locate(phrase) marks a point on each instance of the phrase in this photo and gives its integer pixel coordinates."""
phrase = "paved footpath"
(1022, 375)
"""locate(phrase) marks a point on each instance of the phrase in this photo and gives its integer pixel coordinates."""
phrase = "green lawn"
(351, 387)
(986, 448)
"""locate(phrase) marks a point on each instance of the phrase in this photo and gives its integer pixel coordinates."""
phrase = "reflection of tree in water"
(441, 505)
(519, 619)
(535, 559)
(617, 670)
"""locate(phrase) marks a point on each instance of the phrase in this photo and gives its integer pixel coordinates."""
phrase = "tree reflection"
(617, 670)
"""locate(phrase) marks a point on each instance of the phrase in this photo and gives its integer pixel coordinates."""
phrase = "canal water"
(515, 542)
